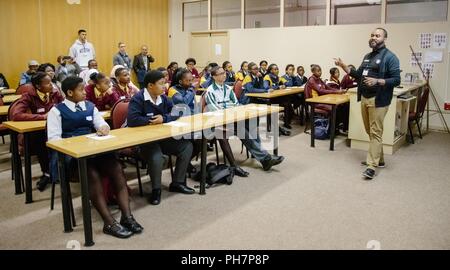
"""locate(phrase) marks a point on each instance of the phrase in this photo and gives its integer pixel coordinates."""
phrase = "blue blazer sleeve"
(136, 112)
(249, 88)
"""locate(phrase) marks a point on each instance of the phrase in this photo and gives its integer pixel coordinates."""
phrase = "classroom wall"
(44, 29)
(319, 44)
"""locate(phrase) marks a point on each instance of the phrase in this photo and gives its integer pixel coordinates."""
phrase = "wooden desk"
(4, 110)
(10, 98)
(82, 148)
(277, 93)
(27, 128)
(395, 126)
(8, 92)
(334, 100)
(274, 96)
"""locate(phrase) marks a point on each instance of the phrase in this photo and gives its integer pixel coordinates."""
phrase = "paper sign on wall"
(414, 62)
(440, 40)
(218, 49)
(425, 40)
(428, 67)
(434, 56)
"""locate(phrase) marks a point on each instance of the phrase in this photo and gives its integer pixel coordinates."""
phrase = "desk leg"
(276, 135)
(87, 222)
(64, 193)
(333, 127)
(203, 165)
(27, 154)
(313, 128)
(269, 117)
(16, 163)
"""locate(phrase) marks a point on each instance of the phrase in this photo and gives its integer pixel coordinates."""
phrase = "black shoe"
(369, 174)
(284, 131)
(180, 188)
(42, 183)
(117, 230)
(155, 198)
(131, 224)
(273, 161)
(240, 172)
(380, 165)
(287, 126)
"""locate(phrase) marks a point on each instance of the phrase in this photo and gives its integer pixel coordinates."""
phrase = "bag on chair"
(321, 129)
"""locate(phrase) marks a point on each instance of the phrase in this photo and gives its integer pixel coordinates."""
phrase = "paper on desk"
(100, 138)
(217, 113)
(176, 124)
(256, 108)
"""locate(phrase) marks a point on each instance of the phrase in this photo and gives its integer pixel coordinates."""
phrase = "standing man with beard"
(377, 76)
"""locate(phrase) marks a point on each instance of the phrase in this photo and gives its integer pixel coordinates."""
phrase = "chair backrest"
(12, 110)
(203, 102)
(1, 101)
(119, 113)
(25, 88)
(238, 89)
(423, 100)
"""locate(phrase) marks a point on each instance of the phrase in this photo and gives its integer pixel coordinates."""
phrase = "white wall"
(319, 44)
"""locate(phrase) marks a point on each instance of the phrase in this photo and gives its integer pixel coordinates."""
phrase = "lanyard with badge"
(368, 63)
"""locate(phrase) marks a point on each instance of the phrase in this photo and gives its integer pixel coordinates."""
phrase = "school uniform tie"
(78, 108)
(46, 99)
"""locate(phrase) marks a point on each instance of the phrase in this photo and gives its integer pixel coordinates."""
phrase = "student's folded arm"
(22, 112)
(393, 78)
(99, 121)
(54, 127)
(266, 85)
(136, 117)
(249, 88)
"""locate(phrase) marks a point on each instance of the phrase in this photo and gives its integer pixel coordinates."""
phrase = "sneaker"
(369, 174)
(380, 165)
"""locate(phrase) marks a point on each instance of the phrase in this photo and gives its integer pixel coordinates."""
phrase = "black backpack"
(216, 174)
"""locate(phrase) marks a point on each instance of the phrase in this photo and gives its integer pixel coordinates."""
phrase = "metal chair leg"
(410, 133)
(418, 128)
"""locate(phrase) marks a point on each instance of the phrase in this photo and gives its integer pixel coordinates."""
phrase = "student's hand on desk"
(157, 120)
(103, 131)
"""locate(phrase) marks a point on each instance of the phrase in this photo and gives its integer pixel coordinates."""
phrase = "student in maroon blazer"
(334, 79)
(123, 86)
(101, 92)
(348, 81)
(34, 106)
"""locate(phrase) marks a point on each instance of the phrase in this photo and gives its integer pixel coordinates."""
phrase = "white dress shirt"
(54, 123)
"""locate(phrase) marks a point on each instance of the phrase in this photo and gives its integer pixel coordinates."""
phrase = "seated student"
(288, 79)
(300, 79)
(220, 96)
(319, 88)
(3, 82)
(334, 79)
(173, 66)
(92, 68)
(77, 117)
(228, 67)
(49, 69)
(166, 76)
(190, 65)
(151, 107)
(25, 77)
(34, 106)
(183, 94)
(240, 75)
(348, 81)
(123, 87)
(253, 83)
(263, 67)
(100, 93)
(114, 81)
(206, 79)
(273, 82)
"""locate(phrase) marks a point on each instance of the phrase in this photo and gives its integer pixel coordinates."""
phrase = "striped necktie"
(78, 108)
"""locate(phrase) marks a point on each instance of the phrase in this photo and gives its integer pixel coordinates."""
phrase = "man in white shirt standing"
(82, 50)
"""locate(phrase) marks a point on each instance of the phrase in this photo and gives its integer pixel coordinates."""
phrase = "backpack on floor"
(216, 174)
(321, 128)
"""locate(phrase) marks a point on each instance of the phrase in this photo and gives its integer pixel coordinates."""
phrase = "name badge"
(122, 97)
(41, 110)
(149, 114)
(89, 118)
(365, 72)
(378, 61)
(366, 61)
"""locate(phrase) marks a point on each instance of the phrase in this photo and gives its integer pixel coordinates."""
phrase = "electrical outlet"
(447, 106)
